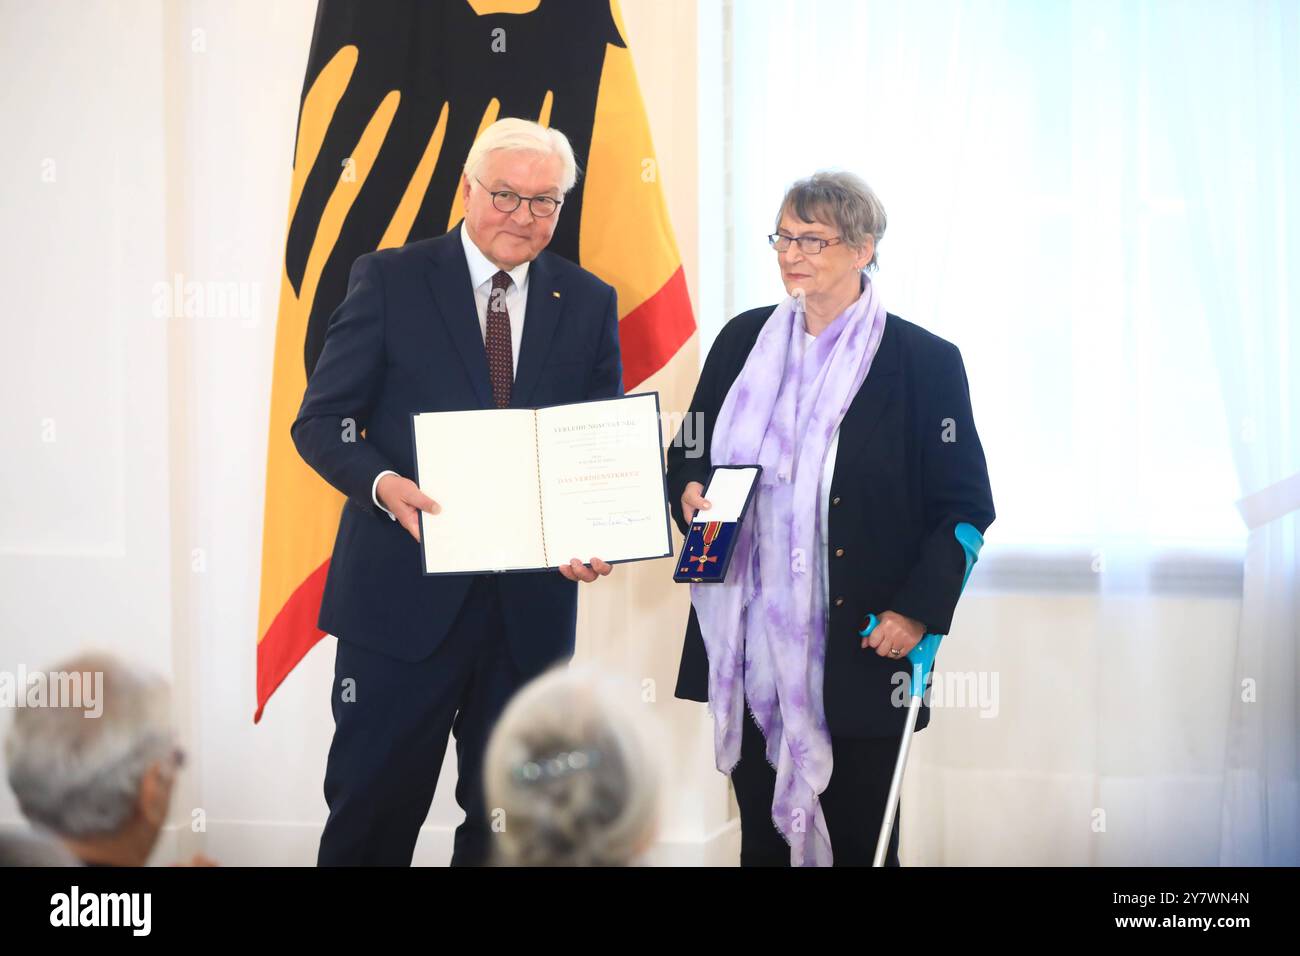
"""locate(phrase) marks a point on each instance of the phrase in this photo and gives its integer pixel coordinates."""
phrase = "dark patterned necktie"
(501, 365)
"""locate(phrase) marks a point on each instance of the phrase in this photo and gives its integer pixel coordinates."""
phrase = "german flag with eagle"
(395, 93)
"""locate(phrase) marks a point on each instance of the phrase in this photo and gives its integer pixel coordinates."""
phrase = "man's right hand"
(693, 500)
(405, 500)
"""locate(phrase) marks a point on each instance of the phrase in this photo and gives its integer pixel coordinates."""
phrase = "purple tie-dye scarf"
(767, 621)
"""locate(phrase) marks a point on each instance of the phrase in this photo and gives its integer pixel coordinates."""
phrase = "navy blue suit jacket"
(407, 339)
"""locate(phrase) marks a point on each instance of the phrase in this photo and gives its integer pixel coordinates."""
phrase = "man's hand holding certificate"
(542, 486)
(404, 500)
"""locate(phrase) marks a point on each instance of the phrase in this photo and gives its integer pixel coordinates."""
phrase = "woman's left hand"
(895, 632)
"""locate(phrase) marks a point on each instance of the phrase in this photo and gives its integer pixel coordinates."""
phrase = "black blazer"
(407, 339)
(898, 491)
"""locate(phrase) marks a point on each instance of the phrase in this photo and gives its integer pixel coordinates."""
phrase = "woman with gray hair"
(862, 424)
(572, 774)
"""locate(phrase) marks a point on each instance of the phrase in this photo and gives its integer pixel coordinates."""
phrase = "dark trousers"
(391, 724)
(853, 802)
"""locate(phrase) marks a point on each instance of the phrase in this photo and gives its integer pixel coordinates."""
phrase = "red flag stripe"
(291, 635)
(652, 333)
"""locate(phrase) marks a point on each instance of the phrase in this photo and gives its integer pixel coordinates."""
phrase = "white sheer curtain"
(1241, 168)
(1070, 203)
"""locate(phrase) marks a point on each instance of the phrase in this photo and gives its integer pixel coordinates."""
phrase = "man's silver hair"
(841, 200)
(527, 136)
(572, 770)
(80, 776)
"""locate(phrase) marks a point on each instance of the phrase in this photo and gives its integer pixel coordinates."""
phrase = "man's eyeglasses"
(808, 245)
(506, 200)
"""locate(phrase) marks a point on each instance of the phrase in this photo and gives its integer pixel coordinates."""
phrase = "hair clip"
(557, 765)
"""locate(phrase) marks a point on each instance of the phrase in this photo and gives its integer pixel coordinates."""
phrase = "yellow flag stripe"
(297, 533)
(458, 199)
(351, 179)
(623, 175)
(399, 227)
(317, 110)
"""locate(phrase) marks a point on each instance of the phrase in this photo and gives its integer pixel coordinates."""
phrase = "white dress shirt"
(481, 271)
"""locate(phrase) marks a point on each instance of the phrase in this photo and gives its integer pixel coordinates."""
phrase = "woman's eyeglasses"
(506, 200)
(808, 245)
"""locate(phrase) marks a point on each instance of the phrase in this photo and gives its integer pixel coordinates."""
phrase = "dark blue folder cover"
(706, 551)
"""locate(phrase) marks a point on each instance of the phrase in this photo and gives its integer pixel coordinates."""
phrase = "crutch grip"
(923, 654)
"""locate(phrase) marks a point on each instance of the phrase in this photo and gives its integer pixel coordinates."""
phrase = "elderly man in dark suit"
(481, 317)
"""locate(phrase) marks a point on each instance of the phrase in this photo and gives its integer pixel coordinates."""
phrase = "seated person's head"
(571, 774)
(101, 784)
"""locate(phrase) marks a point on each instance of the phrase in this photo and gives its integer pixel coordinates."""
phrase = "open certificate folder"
(526, 489)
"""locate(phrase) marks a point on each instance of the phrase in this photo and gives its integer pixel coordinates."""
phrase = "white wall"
(86, 554)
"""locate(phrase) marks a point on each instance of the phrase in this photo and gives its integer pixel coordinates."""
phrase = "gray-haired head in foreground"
(841, 200)
(572, 773)
(80, 776)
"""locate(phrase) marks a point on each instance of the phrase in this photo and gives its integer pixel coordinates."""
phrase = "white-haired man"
(482, 317)
(100, 783)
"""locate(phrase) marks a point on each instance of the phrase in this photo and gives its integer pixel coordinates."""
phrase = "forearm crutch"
(922, 658)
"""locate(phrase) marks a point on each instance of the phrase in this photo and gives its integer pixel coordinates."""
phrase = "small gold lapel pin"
(556, 294)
